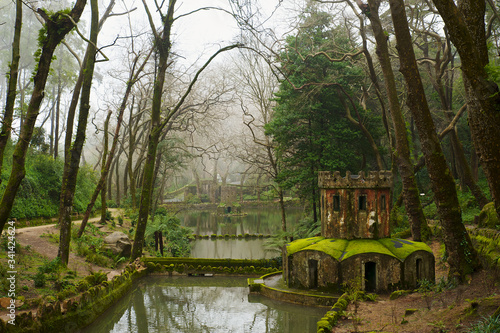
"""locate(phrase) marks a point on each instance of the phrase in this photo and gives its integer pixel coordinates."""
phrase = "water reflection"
(266, 221)
(198, 304)
(231, 248)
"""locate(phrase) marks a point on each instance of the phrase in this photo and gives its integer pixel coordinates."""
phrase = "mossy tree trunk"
(133, 78)
(72, 159)
(57, 25)
(11, 89)
(104, 166)
(418, 222)
(162, 45)
(462, 257)
(131, 146)
(466, 27)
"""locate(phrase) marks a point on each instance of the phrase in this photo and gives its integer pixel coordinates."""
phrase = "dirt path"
(451, 310)
(31, 236)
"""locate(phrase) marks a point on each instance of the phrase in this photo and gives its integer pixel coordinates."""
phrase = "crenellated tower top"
(375, 179)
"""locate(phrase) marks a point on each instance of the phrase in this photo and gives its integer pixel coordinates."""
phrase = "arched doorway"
(418, 269)
(313, 273)
(370, 276)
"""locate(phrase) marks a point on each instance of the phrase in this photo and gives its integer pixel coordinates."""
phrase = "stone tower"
(355, 206)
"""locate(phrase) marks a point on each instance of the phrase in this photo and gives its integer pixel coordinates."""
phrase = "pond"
(202, 304)
(263, 220)
(231, 248)
(256, 220)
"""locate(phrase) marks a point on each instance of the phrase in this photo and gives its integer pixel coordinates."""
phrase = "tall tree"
(105, 168)
(418, 223)
(462, 257)
(466, 25)
(72, 157)
(106, 164)
(162, 43)
(11, 90)
(310, 128)
(57, 25)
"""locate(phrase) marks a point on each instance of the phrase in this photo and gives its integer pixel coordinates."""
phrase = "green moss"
(300, 244)
(341, 249)
(488, 217)
(359, 246)
(333, 247)
(402, 248)
(488, 249)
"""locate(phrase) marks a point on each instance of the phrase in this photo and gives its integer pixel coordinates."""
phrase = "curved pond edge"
(258, 285)
(79, 311)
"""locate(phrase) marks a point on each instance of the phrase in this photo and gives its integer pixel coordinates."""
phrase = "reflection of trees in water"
(187, 304)
(230, 248)
(265, 220)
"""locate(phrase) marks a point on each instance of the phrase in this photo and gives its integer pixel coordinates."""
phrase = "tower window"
(382, 202)
(362, 202)
(336, 203)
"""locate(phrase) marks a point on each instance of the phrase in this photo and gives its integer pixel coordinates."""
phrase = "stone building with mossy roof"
(355, 244)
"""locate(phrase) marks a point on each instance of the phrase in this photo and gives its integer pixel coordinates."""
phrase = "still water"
(232, 248)
(202, 304)
(263, 220)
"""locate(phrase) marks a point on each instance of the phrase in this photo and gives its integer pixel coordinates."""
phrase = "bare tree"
(162, 42)
(135, 72)
(257, 91)
(441, 76)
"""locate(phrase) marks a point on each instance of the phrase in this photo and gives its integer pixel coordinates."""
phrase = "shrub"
(96, 278)
(109, 216)
(486, 325)
(175, 236)
(161, 211)
(39, 279)
(111, 204)
(52, 266)
(192, 199)
(83, 285)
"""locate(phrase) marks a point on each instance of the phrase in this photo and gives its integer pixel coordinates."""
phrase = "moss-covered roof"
(300, 244)
(402, 248)
(358, 246)
(342, 249)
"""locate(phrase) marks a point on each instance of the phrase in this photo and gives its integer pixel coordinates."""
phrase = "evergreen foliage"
(310, 129)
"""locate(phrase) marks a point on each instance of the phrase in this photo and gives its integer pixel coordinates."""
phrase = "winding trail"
(32, 236)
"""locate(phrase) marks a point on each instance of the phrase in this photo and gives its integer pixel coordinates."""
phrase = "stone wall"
(355, 206)
(388, 271)
(417, 266)
(300, 274)
(77, 312)
(373, 272)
